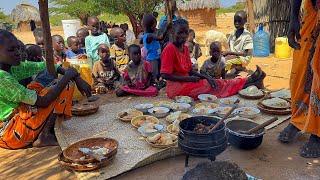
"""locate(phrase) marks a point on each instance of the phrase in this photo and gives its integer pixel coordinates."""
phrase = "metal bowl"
(159, 112)
(183, 107)
(143, 107)
(243, 141)
(254, 112)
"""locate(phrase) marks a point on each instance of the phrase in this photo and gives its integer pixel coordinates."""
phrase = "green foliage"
(114, 18)
(232, 9)
(4, 17)
(133, 9)
(81, 9)
(55, 19)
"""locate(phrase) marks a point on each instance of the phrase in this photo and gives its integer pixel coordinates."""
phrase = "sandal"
(288, 134)
(312, 148)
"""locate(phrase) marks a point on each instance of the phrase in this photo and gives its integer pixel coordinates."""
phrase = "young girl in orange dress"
(176, 68)
(27, 115)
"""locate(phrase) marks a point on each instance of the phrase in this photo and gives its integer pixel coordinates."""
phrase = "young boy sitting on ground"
(240, 45)
(137, 76)
(58, 49)
(59, 57)
(34, 54)
(105, 73)
(74, 50)
(130, 36)
(194, 49)
(215, 66)
(118, 50)
(28, 115)
(95, 39)
(81, 35)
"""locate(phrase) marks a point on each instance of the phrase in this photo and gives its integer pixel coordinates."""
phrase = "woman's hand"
(213, 83)
(193, 79)
(71, 73)
(294, 33)
(83, 86)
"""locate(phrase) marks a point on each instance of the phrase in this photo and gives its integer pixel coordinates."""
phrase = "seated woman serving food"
(176, 68)
(27, 115)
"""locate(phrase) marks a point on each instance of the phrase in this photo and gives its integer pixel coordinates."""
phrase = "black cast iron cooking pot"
(203, 145)
(243, 141)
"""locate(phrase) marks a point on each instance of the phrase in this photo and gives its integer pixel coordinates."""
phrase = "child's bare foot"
(312, 148)
(46, 140)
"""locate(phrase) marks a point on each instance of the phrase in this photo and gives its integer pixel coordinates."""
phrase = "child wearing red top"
(137, 76)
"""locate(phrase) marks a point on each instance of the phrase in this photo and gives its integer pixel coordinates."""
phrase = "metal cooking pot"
(204, 145)
(243, 141)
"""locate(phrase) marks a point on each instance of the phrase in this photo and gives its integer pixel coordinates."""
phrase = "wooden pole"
(252, 25)
(44, 15)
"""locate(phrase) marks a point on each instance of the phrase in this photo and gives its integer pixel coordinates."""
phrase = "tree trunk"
(83, 18)
(44, 15)
(136, 24)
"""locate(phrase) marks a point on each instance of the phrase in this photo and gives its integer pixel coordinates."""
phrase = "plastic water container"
(261, 43)
(282, 48)
(85, 73)
(70, 27)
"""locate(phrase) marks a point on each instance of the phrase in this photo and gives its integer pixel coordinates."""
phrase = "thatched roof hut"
(23, 14)
(275, 15)
(199, 12)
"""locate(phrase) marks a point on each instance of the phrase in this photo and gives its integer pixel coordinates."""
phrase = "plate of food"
(286, 94)
(174, 128)
(150, 129)
(84, 109)
(251, 92)
(228, 101)
(83, 167)
(207, 98)
(247, 112)
(159, 112)
(203, 111)
(180, 116)
(140, 120)
(129, 114)
(222, 111)
(88, 150)
(166, 104)
(206, 105)
(143, 107)
(183, 107)
(183, 99)
(276, 103)
(162, 140)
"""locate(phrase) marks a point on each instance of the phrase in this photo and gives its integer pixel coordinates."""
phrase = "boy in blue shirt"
(74, 50)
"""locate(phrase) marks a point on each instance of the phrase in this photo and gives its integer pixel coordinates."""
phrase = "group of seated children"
(112, 64)
(133, 70)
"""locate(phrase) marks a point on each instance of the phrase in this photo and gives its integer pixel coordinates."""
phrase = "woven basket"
(273, 111)
(73, 154)
(84, 109)
(135, 113)
(252, 97)
(134, 120)
(83, 167)
(162, 146)
(273, 108)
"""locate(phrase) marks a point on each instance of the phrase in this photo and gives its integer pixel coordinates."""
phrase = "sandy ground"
(271, 161)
